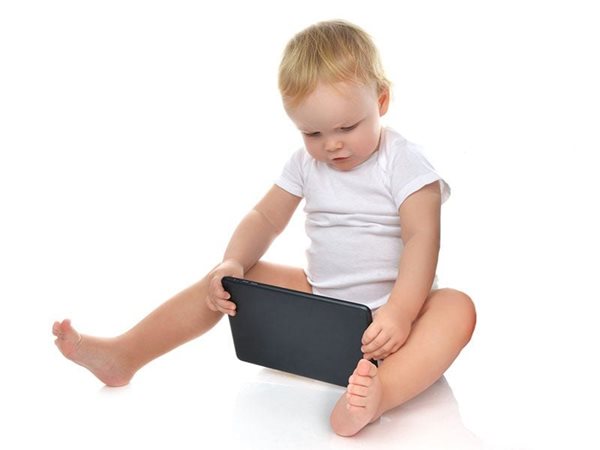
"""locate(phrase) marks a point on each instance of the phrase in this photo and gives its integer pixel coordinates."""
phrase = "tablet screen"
(305, 334)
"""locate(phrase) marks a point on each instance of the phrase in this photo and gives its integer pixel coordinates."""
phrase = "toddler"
(372, 204)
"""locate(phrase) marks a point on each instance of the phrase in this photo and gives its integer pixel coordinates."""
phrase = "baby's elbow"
(268, 224)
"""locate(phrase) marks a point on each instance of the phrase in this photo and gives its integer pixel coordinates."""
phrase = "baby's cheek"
(314, 152)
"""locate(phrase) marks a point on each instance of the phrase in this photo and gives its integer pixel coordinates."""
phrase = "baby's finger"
(226, 307)
(219, 304)
(370, 333)
(389, 348)
(378, 355)
(217, 288)
(376, 344)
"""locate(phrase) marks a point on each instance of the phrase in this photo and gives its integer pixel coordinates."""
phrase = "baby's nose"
(333, 145)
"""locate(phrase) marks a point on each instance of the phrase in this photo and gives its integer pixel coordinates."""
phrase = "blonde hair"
(329, 52)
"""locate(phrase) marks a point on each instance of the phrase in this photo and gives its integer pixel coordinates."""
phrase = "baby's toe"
(356, 389)
(366, 368)
(355, 400)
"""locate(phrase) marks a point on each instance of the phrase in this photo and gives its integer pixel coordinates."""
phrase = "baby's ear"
(384, 101)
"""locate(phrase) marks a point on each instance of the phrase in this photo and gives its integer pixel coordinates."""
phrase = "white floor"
(201, 394)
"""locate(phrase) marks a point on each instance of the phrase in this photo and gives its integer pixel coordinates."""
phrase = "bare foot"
(360, 404)
(100, 356)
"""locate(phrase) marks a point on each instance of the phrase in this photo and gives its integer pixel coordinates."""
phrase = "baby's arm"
(249, 242)
(420, 223)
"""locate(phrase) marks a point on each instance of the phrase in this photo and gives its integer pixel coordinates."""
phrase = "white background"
(134, 136)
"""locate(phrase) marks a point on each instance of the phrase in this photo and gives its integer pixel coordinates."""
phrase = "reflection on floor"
(278, 410)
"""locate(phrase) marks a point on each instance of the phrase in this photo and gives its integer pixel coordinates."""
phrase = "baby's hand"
(387, 333)
(217, 298)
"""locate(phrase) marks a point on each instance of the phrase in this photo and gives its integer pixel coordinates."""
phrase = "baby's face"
(340, 123)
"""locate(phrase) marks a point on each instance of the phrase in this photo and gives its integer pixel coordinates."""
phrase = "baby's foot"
(98, 355)
(360, 404)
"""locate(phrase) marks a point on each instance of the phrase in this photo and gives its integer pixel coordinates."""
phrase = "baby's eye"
(315, 134)
(350, 128)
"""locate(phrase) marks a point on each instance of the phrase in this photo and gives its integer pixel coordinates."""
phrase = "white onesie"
(352, 217)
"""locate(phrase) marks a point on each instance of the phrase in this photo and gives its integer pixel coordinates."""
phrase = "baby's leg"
(443, 328)
(184, 317)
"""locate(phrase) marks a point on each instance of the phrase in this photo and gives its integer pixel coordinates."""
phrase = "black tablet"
(305, 334)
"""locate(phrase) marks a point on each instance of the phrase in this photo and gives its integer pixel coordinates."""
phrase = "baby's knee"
(463, 309)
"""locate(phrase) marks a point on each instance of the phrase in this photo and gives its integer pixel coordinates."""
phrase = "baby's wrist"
(401, 311)
(233, 263)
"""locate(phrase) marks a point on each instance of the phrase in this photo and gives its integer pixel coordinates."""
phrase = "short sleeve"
(410, 171)
(292, 177)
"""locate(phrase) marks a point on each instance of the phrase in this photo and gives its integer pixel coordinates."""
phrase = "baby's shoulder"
(301, 156)
(395, 148)
(299, 160)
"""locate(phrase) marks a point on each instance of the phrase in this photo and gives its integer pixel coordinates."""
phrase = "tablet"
(304, 334)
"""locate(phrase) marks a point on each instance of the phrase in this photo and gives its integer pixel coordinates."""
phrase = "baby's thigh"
(279, 275)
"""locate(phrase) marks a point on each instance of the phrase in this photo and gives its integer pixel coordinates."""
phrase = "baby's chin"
(343, 164)
(346, 164)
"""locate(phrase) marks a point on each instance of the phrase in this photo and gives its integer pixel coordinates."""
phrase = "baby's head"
(334, 90)
(329, 52)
